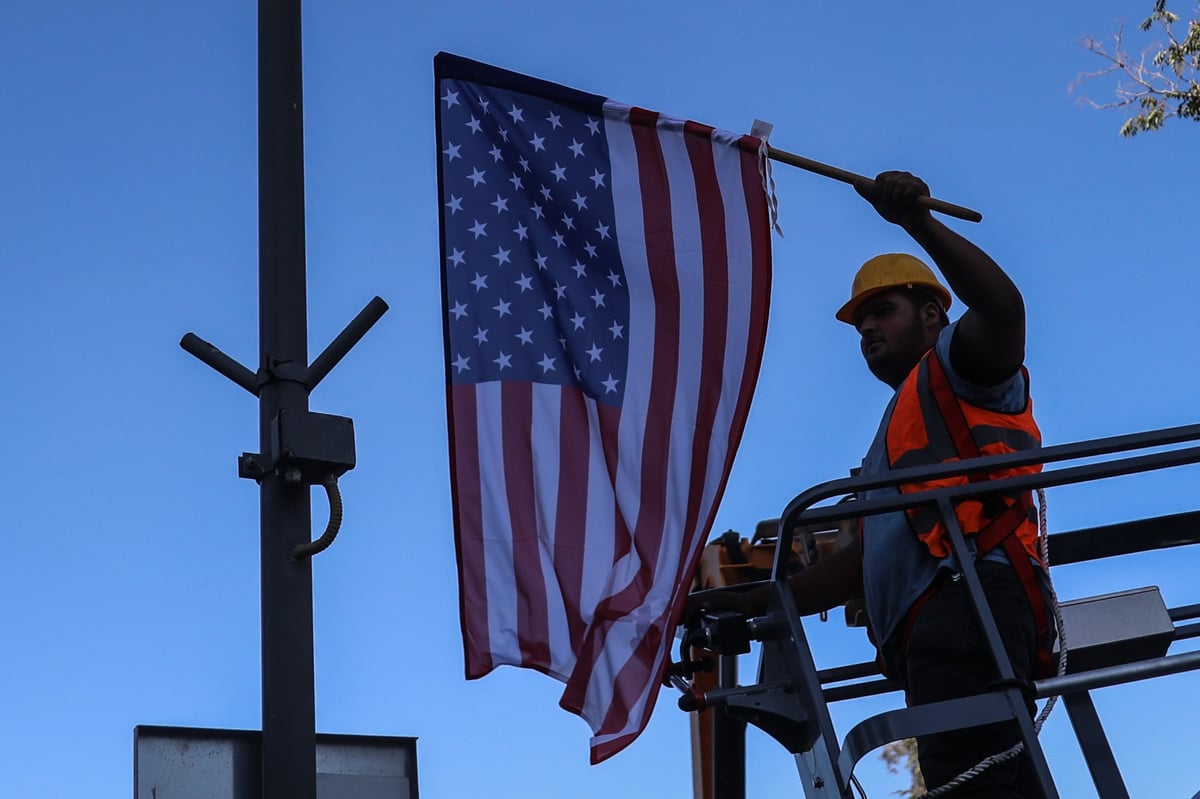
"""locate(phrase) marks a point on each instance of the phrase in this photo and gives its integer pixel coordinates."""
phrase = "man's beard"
(902, 355)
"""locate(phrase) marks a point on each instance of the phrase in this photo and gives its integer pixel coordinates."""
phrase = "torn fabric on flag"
(606, 276)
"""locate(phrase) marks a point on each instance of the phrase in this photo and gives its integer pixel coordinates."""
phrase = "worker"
(918, 608)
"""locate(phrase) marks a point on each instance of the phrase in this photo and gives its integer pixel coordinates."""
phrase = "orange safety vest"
(930, 424)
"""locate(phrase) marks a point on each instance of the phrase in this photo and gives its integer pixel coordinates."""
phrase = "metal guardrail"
(788, 665)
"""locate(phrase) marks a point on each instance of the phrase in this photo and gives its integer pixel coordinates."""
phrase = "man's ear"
(931, 315)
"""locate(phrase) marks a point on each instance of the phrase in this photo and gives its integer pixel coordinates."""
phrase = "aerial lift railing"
(788, 701)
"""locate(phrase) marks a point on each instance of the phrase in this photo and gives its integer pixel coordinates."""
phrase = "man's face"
(895, 333)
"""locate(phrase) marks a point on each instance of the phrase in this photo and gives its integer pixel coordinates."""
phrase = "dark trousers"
(948, 658)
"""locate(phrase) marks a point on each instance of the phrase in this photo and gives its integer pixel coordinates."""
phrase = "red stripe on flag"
(656, 440)
(570, 522)
(468, 528)
(760, 295)
(664, 281)
(714, 251)
(760, 247)
(610, 422)
(586, 653)
(631, 681)
(533, 626)
(630, 684)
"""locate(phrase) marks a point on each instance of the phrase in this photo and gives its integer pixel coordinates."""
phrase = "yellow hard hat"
(887, 272)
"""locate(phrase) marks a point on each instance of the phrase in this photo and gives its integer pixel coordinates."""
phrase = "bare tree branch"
(1161, 81)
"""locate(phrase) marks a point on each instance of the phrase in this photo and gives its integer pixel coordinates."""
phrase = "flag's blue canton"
(536, 288)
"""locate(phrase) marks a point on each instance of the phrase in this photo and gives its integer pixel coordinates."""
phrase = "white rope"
(1019, 747)
(763, 131)
(975, 770)
(1044, 550)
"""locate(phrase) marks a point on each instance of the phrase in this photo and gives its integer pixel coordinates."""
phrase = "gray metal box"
(194, 763)
(1116, 628)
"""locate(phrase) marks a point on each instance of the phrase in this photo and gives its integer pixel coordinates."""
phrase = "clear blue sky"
(129, 577)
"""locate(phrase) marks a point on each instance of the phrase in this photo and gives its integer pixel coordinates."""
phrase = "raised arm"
(989, 345)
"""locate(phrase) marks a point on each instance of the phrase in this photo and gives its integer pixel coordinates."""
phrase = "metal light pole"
(298, 448)
(289, 758)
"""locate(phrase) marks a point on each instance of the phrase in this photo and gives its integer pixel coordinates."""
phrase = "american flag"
(606, 273)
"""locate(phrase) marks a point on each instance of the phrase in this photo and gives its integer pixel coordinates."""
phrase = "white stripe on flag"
(739, 282)
(688, 254)
(677, 549)
(497, 529)
(620, 647)
(629, 228)
(689, 266)
(600, 542)
(545, 433)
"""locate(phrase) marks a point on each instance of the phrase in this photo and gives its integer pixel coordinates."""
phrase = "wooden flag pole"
(941, 206)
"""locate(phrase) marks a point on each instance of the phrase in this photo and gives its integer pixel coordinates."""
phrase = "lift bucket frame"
(789, 702)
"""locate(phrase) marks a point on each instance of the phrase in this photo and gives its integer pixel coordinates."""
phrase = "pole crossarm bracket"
(345, 341)
(220, 361)
(309, 376)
